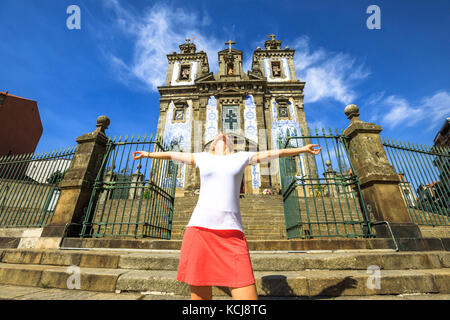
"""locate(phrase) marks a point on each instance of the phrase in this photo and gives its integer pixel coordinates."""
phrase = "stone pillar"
(109, 177)
(378, 180)
(77, 186)
(330, 175)
(136, 184)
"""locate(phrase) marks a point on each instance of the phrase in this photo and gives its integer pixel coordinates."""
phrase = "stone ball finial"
(328, 163)
(351, 111)
(103, 123)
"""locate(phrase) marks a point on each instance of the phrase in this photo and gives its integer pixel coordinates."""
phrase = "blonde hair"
(228, 143)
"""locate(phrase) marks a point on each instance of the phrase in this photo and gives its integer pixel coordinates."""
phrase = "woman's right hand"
(140, 154)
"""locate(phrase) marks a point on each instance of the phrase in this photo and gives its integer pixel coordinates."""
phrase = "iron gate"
(424, 174)
(132, 198)
(321, 194)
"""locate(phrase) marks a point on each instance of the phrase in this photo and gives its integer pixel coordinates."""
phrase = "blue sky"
(398, 75)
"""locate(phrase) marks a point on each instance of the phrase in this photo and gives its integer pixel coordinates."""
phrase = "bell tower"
(230, 64)
(284, 106)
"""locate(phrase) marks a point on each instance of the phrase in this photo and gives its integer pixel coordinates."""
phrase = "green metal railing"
(321, 194)
(29, 187)
(132, 198)
(424, 173)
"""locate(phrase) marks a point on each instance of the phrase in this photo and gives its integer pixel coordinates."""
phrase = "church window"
(283, 111)
(185, 73)
(178, 114)
(276, 69)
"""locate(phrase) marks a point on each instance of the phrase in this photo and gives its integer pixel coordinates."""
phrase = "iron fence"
(321, 194)
(424, 173)
(29, 188)
(132, 198)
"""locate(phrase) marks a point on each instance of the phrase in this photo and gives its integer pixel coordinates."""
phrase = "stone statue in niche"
(230, 69)
(276, 69)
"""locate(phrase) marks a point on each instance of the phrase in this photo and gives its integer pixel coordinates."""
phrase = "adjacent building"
(20, 125)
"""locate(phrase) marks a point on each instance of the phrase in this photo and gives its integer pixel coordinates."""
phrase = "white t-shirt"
(220, 183)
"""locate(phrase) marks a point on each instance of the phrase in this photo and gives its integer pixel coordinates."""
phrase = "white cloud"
(157, 32)
(327, 74)
(432, 110)
(438, 107)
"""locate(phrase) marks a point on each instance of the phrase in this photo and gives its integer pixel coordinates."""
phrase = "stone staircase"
(262, 216)
(282, 274)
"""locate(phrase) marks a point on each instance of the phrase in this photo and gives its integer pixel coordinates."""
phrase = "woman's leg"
(201, 292)
(244, 293)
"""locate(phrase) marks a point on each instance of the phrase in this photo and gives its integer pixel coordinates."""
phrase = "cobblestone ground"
(32, 293)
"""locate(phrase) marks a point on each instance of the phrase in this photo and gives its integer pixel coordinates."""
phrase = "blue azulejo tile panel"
(212, 118)
(180, 132)
(286, 128)
(250, 125)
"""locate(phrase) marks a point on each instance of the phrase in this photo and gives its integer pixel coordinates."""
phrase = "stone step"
(280, 283)
(303, 283)
(250, 238)
(261, 261)
(8, 292)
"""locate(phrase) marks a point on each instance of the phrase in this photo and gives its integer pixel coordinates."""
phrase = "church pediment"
(256, 75)
(232, 51)
(206, 77)
(231, 90)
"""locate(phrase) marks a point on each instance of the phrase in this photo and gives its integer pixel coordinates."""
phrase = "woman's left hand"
(310, 148)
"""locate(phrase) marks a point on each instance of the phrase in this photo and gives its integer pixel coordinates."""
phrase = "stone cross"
(229, 43)
(271, 36)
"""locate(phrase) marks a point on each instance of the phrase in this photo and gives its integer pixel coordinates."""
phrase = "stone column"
(330, 174)
(77, 186)
(109, 177)
(378, 180)
(136, 184)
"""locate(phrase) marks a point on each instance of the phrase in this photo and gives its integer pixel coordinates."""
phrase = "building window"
(178, 114)
(185, 73)
(283, 111)
(2, 97)
(276, 69)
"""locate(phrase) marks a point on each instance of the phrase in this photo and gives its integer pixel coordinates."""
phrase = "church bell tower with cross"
(253, 107)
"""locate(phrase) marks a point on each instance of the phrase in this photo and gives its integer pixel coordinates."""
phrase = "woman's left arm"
(263, 156)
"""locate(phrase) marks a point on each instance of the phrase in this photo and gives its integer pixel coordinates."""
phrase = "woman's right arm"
(184, 157)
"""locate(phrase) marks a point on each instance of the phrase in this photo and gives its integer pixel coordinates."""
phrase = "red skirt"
(215, 258)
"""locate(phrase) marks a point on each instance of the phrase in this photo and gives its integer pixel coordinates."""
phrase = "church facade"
(254, 108)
